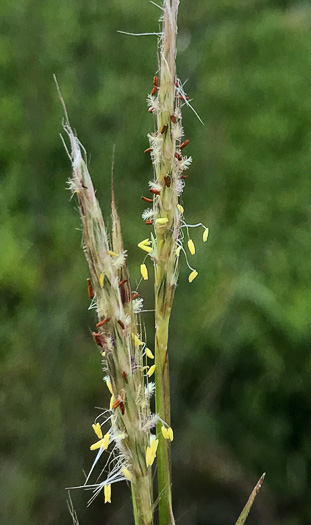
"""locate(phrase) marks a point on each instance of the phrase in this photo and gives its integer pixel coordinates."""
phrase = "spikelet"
(120, 346)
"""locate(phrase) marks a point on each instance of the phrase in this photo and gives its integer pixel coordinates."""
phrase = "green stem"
(162, 398)
(134, 505)
(142, 500)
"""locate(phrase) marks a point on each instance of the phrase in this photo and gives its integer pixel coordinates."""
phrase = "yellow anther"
(154, 446)
(108, 383)
(180, 208)
(191, 246)
(137, 341)
(192, 276)
(151, 452)
(164, 432)
(114, 254)
(162, 220)
(151, 370)
(112, 400)
(149, 353)
(107, 493)
(144, 272)
(98, 431)
(101, 280)
(102, 443)
(145, 242)
(178, 250)
(126, 473)
(106, 441)
(98, 444)
(144, 247)
(149, 457)
(170, 433)
(205, 234)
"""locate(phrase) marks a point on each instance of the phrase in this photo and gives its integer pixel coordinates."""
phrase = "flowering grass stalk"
(169, 163)
(167, 222)
(125, 432)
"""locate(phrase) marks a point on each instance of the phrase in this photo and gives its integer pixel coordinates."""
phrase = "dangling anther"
(167, 181)
(183, 177)
(178, 156)
(146, 199)
(122, 282)
(183, 97)
(154, 90)
(104, 321)
(151, 110)
(116, 403)
(184, 144)
(134, 296)
(148, 150)
(155, 192)
(148, 221)
(173, 119)
(163, 129)
(120, 403)
(155, 81)
(90, 288)
(121, 324)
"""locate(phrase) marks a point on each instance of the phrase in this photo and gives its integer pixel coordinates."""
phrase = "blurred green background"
(240, 357)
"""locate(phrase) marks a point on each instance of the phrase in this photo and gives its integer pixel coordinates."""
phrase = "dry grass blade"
(245, 512)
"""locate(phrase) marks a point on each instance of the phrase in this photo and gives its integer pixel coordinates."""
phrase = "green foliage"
(241, 369)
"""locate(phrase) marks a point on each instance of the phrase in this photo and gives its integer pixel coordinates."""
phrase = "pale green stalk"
(167, 175)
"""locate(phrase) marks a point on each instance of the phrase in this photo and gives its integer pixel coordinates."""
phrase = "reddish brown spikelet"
(134, 296)
(90, 288)
(154, 90)
(122, 282)
(124, 375)
(164, 128)
(155, 192)
(184, 144)
(104, 321)
(167, 181)
(146, 199)
(122, 408)
(121, 324)
(178, 156)
(173, 119)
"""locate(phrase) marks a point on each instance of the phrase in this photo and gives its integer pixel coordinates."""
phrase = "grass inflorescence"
(128, 434)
